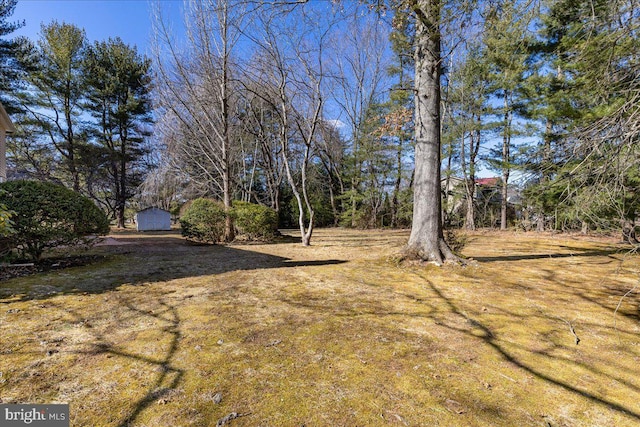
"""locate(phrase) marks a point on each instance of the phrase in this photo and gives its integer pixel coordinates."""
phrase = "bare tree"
(195, 87)
(260, 124)
(360, 63)
(289, 69)
(163, 186)
(331, 154)
(468, 98)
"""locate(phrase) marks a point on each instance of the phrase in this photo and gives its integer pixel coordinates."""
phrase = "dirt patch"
(110, 241)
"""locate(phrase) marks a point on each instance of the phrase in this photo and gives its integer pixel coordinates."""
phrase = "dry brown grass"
(336, 334)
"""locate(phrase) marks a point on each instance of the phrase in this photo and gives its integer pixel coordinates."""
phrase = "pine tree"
(53, 99)
(119, 84)
(469, 99)
(596, 48)
(10, 69)
(505, 37)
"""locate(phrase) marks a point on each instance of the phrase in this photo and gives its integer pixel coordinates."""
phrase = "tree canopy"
(401, 113)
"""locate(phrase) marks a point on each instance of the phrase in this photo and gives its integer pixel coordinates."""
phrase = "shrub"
(6, 229)
(47, 215)
(255, 221)
(203, 220)
(6, 224)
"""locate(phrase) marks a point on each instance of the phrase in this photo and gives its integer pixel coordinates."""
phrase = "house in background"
(6, 126)
(487, 201)
(153, 219)
(488, 190)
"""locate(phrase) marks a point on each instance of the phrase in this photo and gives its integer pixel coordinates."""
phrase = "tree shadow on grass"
(490, 339)
(147, 260)
(444, 311)
(167, 376)
(578, 253)
(139, 261)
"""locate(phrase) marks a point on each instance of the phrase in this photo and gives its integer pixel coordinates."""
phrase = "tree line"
(328, 112)
(84, 113)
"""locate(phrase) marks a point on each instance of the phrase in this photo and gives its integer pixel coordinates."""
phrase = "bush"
(255, 221)
(46, 215)
(6, 229)
(6, 225)
(203, 220)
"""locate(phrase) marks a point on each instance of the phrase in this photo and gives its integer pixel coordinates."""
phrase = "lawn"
(160, 332)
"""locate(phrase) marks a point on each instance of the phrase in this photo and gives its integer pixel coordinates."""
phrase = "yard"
(159, 332)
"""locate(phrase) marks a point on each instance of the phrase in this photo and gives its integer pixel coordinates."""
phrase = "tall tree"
(596, 48)
(506, 28)
(468, 97)
(290, 66)
(331, 150)
(195, 87)
(398, 119)
(551, 104)
(360, 64)
(427, 241)
(119, 85)
(260, 123)
(57, 89)
(9, 53)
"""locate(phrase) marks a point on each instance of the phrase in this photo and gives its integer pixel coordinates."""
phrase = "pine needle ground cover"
(159, 332)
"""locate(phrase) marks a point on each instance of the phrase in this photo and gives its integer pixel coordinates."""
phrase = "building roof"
(151, 208)
(489, 182)
(5, 121)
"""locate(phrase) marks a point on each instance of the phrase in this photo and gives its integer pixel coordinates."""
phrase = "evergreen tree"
(505, 37)
(10, 70)
(119, 85)
(596, 48)
(53, 100)
(398, 121)
(469, 103)
(551, 104)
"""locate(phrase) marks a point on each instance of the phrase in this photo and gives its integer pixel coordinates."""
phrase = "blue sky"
(128, 19)
(101, 19)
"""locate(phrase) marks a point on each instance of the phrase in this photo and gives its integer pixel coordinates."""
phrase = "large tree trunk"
(426, 241)
(121, 194)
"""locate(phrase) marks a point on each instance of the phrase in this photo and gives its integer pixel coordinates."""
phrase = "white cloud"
(338, 124)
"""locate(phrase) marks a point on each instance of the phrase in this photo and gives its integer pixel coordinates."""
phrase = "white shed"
(151, 219)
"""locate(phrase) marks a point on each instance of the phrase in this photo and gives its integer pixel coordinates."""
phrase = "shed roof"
(151, 208)
(5, 121)
(489, 182)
